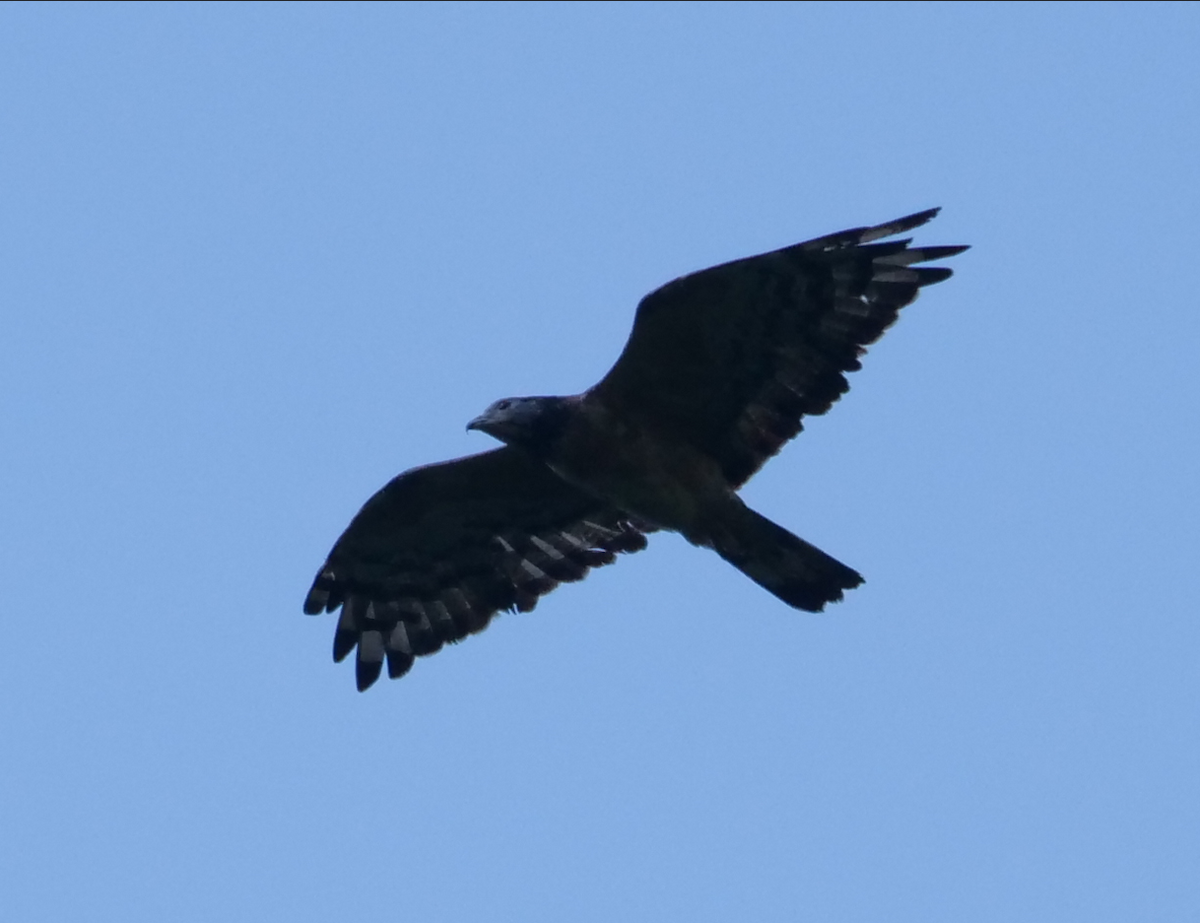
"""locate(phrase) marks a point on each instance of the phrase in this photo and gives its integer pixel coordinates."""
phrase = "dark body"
(720, 369)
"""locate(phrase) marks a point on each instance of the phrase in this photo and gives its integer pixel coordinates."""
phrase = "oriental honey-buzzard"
(717, 374)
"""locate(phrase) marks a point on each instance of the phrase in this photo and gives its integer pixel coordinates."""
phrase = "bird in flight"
(717, 374)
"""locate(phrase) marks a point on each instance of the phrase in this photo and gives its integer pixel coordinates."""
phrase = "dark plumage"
(717, 374)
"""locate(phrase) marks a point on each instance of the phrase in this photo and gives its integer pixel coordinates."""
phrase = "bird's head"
(531, 423)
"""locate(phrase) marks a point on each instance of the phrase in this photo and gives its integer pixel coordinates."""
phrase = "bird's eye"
(503, 405)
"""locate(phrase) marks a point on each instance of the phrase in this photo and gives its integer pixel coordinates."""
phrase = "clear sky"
(257, 259)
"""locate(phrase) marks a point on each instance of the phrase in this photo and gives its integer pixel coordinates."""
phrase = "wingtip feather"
(899, 225)
(369, 663)
(314, 602)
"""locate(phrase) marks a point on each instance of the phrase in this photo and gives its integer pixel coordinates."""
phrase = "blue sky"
(255, 260)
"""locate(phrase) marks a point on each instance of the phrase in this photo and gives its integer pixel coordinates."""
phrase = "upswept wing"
(731, 358)
(441, 549)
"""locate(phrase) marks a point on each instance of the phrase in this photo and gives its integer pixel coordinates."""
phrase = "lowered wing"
(441, 549)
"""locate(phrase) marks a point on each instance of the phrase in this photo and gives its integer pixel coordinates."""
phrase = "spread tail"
(800, 574)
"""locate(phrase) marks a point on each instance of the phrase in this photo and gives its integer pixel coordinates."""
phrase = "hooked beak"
(478, 423)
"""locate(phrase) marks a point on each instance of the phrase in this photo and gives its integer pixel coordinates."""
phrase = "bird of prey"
(717, 374)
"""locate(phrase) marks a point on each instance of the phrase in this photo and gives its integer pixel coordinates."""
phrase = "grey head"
(530, 423)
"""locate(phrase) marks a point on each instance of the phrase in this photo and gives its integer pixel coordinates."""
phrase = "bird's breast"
(638, 469)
